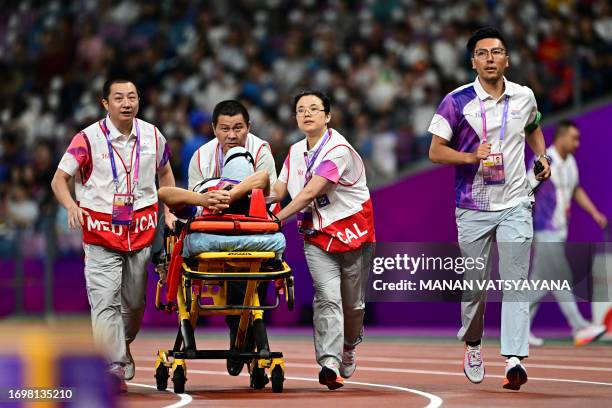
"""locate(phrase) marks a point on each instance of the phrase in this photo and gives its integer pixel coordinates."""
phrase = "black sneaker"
(330, 376)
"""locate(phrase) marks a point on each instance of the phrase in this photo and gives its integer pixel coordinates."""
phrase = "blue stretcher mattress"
(198, 242)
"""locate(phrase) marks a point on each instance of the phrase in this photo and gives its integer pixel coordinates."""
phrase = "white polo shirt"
(204, 163)
(459, 120)
(88, 160)
(554, 196)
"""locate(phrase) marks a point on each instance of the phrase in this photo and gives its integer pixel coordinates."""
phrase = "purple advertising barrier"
(595, 165)
(420, 208)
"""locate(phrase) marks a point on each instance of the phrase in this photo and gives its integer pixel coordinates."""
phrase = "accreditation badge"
(123, 209)
(305, 223)
(493, 169)
(322, 200)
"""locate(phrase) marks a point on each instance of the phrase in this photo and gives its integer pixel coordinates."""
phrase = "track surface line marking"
(186, 399)
(431, 372)
(440, 361)
(434, 400)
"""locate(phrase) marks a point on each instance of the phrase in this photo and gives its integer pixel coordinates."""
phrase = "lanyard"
(219, 159)
(310, 163)
(483, 115)
(106, 132)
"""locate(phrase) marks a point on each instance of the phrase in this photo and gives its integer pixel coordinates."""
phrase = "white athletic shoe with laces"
(589, 334)
(473, 366)
(347, 368)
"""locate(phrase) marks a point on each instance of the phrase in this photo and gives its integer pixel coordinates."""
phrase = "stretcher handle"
(235, 276)
(241, 307)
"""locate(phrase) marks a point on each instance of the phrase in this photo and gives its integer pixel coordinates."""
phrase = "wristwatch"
(547, 157)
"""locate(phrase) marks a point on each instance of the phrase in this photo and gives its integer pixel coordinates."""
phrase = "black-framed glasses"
(482, 53)
(311, 110)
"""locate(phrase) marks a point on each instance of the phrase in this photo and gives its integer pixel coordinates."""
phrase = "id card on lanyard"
(123, 203)
(493, 171)
(305, 222)
(123, 209)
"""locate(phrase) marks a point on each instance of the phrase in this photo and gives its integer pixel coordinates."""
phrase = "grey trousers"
(339, 281)
(116, 288)
(550, 263)
(513, 230)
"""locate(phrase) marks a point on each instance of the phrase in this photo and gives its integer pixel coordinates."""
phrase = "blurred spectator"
(21, 209)
(201, 124)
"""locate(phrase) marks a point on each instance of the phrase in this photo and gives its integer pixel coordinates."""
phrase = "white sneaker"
(516, 375)
(130, 367)
(535, 341)
(473, 366)
(589, 334)
(348, 366)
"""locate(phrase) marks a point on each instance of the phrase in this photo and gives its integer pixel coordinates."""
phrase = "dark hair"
(109, 82)
(563, 127)
(319, 94)
(481, 34)
(230, 108)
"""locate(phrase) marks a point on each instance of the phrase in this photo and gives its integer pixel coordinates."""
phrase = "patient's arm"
(259, 179)
(175, 197)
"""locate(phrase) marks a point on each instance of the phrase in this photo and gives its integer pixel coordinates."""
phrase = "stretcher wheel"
(179, 379)
(259, 378)
(277, 377)
(161, 377)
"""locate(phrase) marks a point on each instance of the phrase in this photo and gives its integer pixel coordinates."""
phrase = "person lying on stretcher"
(237, 181)
(235, 184)
(228, 195)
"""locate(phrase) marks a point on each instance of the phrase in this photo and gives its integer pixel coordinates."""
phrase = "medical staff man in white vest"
(113, 163)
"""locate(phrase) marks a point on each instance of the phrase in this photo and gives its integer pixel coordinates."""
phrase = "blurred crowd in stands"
(386, 65)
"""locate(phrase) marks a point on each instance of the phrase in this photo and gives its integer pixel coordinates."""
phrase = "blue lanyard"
(106, 132)
(310, 163)
(483, 115)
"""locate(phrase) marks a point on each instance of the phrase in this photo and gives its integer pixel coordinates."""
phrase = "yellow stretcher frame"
(205, 277)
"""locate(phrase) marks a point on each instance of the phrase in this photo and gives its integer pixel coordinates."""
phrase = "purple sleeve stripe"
(165, 157)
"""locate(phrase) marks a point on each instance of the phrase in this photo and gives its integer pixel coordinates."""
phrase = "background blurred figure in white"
(551, 216)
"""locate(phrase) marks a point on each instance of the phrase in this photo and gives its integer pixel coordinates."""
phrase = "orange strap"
(235, 226)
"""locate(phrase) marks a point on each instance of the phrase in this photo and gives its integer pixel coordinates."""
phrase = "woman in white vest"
(326, 179)
(114, 163)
